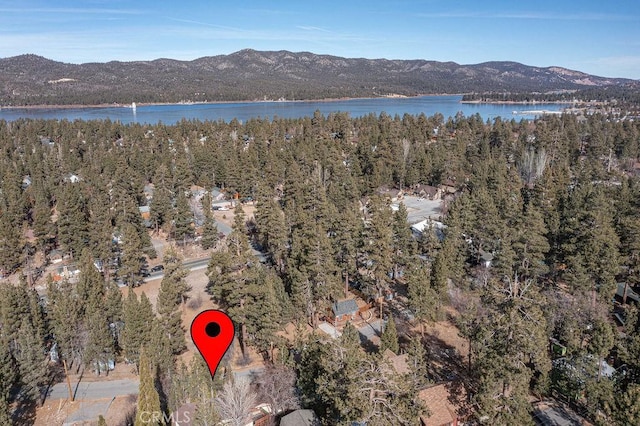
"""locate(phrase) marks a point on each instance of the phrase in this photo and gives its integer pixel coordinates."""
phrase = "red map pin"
(212, 332)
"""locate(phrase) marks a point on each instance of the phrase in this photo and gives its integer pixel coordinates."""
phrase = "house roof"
(630, 293)
(344, 307)
(391, 192)
(427, 223)
(441, 405)
(398, 362)
(144, 209)
(300, 418)
(427, 189)
(486, 256)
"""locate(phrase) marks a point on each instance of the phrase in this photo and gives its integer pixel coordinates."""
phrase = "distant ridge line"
(257, 75)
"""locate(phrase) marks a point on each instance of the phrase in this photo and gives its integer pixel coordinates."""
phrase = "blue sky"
(598, 37)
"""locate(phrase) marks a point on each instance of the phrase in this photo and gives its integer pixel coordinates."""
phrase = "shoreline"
(142, 104)
(518, 102)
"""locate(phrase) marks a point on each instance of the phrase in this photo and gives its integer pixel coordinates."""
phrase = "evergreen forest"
(536, 269)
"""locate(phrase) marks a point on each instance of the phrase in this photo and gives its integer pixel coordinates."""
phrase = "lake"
(448, 106)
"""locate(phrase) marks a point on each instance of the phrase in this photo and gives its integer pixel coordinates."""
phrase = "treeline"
(621, 96)
(546, 199)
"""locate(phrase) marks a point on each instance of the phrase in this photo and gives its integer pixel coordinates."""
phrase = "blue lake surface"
(448, 106)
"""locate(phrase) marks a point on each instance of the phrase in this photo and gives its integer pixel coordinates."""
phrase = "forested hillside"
(544, 224)
(257, 75)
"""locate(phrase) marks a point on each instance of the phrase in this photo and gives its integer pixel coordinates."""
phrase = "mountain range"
(255, 75)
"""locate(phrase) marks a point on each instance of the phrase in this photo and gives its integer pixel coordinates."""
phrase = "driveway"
(370, 330)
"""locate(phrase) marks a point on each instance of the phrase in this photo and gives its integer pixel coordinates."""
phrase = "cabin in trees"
(300, 418)
(72, 178)
(148, 191)
(399, 363)
(446, 403)
(344, 310)
(448, 187)
(425, 225)
(216, 194)
(486, 258)
(392, 193)
(428, 192)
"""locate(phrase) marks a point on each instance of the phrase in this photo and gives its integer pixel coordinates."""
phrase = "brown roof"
(427, 190)
(398, 362)
(442, 407)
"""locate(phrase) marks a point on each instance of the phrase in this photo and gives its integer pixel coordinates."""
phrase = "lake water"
(448, 106)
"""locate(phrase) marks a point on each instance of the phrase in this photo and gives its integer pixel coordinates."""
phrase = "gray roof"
(300, 418)
(630, 293)
(344, 307)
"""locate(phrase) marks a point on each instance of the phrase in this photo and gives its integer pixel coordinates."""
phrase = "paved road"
(95, 390)
(248, 373)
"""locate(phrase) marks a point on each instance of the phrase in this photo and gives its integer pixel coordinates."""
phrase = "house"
(55, 256)
(630, 294)
(216, 194)
(26, 182)
(486, 258)
(145, 212)
(399, 363)
(428, 191)
(393, 194)
(148, 191)
(72, 178)
(45, 141)
(344, 310)
(66, 272)
(447, 404)
(420, 227)
(300, 418)
(448, 187)
(197, 192)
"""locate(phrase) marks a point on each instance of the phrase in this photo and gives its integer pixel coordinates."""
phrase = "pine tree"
(99, 349)
(160, 206)
(210, 229)
(73, 232)
(132, 256)
(8, 372)
(66, 319)
(346, 228)
(148, 407)
(389, 337)
(113, 307)
(378, 246)
(31, 360)
(423, 300)
(10, 245)
(5, 412)
(507, 352)
(182, 219)
(231, 276)
(418, 364)
(173, 289)
(90, 286)
(138, 320)
(403, 242)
